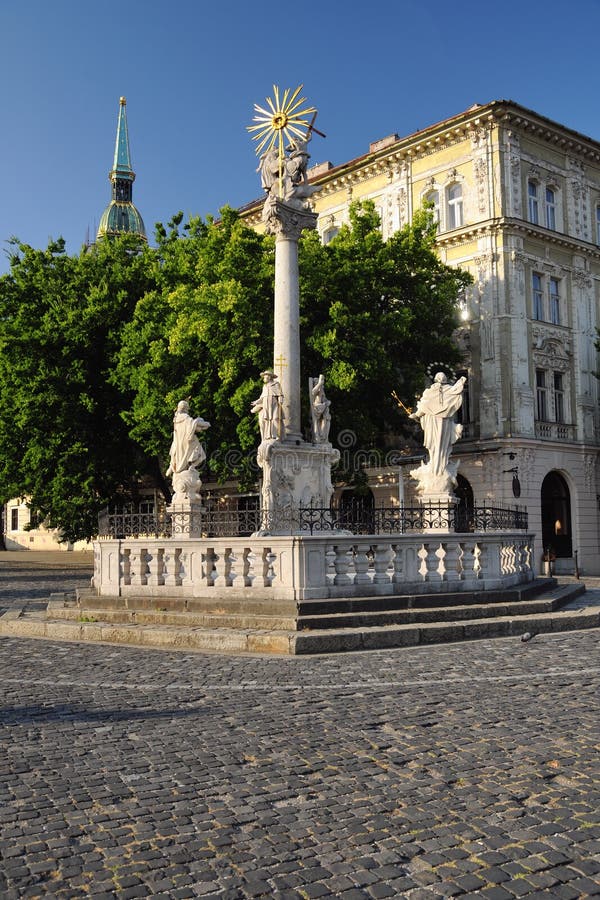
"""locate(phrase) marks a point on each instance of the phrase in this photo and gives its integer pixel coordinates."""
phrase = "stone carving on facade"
(481, 174)
(269, 407)
(435, 412)
(186, 454)
(320, 410)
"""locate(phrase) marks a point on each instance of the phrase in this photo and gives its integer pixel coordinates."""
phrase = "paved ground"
(460, 770)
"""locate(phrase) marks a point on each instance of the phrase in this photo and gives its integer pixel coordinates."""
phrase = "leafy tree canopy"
(97, 349)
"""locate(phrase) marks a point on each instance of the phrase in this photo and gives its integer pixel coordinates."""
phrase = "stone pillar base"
(187, 518)
(295, 475)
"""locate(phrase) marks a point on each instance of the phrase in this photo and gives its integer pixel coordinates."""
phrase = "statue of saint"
(435, 411)
(186, 453)
(319, 407)
(269, 407)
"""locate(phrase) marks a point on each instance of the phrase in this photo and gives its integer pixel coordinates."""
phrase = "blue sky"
(192, 70)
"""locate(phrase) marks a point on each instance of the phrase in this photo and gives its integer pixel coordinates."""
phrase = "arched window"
(455, 206)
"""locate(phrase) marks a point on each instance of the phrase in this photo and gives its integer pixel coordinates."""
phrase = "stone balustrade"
(314, 566)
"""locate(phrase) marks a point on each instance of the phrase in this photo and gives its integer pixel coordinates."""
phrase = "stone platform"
(307, 627)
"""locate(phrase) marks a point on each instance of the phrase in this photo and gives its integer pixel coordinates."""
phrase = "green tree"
(63, 444)
(203, 333)
(97, 349)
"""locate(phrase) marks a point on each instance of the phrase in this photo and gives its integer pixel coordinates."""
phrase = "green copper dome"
(121, 216)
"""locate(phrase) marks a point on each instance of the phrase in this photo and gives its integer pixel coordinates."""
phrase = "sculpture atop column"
(295, 473)
(269, 407)
(435, 412)
(319, 407)
(186, 454)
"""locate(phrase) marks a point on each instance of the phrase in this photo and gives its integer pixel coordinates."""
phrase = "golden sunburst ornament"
(286, 118)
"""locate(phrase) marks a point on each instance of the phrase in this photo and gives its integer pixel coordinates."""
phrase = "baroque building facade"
(517, 201)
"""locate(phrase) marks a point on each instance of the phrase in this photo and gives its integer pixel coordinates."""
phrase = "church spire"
(121, 216)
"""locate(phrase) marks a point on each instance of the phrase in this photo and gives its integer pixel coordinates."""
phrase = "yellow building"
(517, 199)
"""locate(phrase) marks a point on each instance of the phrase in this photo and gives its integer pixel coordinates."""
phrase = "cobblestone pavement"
(460, 770)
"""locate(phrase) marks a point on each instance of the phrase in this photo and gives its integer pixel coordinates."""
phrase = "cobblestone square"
(463, 770)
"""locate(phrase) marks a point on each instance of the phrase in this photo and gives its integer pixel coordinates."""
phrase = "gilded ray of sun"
(285, 119)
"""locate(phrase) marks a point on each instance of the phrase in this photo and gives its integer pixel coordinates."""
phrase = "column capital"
(285, 220)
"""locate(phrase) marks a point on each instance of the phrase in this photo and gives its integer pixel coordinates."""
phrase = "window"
(330, 233)
(538, 296)
(433, 198)
(551, 209)
(455, 206)
(541, 395)
(598, 224)
(559, 397)
(554, 301)
(14, 518)
(532, 193)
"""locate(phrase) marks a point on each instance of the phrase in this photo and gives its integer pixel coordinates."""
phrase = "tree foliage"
(97, 349)
(63, 444)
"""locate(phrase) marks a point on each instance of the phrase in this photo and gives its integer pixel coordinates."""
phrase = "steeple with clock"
(121, 216)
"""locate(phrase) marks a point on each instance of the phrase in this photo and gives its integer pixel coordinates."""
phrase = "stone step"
(214, 618)
(228, 640)
(90, 603)
(432, 614)
(435, 599)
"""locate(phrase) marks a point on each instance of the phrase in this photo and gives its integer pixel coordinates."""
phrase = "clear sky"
(191, 71)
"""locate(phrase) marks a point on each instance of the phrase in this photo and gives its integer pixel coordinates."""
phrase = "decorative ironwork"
(352, 518)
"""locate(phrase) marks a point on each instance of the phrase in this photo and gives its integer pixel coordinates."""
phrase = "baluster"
(342, 564)
(138, 566)
(125, 575)
(230, 567)
(441, 569)
(209, 567)
(398, 577)
(249, 566)
(172, 567)
(220, 569)
(155, 566)
(269, 566)
(383, 555)
(361, 564)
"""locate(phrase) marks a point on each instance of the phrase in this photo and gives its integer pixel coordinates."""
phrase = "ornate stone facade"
(518, 202)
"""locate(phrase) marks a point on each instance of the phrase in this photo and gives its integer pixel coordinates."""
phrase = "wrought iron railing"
(353, 518)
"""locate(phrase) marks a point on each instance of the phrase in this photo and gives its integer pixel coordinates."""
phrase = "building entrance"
(556, 516)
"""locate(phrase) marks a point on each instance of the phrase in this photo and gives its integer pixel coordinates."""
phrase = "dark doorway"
(556, 516)
(464, 507)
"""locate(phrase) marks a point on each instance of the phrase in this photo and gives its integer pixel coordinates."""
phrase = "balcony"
(554, 431)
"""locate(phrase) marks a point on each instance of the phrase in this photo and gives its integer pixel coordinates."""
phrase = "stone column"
(286, 222)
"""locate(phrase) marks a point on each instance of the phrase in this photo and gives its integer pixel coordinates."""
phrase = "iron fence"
(353, 518)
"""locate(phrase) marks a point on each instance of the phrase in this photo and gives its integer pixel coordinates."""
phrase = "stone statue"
(289, 185)
(269, 407)
(435, 411)
(186, 453)
(320, 410)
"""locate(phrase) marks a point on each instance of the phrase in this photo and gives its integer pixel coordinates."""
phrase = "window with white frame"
(554, 300)
(541, 395)
(330, 233)
(14, 518)
(455, 206)
(538, 296)
(533, 202)
(550, 208)
(433, 198)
